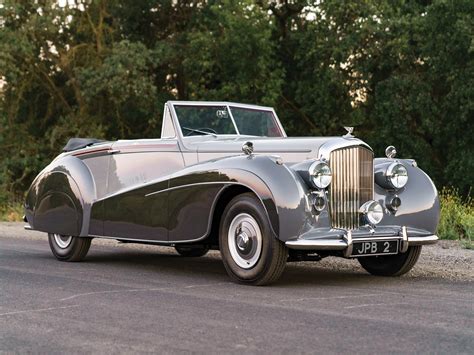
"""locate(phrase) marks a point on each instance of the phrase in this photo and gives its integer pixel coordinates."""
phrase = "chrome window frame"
(233, 120)
(168, 120)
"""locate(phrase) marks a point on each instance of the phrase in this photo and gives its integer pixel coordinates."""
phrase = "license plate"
(382, 247)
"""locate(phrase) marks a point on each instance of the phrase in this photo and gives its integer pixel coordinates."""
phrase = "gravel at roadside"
(446, 259)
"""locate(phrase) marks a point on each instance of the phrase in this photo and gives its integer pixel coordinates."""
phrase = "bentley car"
(225, 176)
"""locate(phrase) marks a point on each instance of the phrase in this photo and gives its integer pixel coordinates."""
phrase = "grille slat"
(352, 185)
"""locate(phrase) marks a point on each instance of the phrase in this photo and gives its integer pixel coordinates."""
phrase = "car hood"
(291, 150)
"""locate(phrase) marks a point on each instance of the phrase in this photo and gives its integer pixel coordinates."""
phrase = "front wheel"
(69, 248)
(391, 265)
(250, 252)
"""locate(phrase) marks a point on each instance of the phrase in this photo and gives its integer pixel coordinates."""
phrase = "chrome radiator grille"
(352, 184)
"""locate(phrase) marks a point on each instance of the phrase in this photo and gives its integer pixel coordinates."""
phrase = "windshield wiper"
(199, 131)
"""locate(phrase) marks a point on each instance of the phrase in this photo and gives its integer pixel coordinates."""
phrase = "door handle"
(113, 151)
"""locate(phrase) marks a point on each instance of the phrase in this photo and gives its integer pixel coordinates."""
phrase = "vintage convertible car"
(225, 176)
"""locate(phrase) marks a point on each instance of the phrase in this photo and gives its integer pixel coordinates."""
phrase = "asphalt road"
(126, 299)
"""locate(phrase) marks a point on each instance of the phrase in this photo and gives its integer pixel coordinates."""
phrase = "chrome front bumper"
(338, 239)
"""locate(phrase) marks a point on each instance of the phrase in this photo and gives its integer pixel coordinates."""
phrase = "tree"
(401, 71)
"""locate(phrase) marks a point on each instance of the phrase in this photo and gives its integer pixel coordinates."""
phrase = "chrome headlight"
(372, 211)
(320, 174)
(397, 175)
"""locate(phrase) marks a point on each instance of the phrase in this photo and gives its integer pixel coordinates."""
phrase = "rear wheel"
(192, 251)
(69, 248)
(250, 252)
(391, 265)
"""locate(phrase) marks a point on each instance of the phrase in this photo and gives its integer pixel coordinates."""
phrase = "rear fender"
(60, 198)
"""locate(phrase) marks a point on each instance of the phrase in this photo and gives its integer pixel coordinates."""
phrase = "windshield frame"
(228, 105)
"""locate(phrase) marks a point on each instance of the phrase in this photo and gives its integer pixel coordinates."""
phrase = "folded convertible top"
(78, 143)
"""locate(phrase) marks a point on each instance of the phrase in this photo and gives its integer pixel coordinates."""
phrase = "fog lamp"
(393, 203)
(372, 212)
(319, 202)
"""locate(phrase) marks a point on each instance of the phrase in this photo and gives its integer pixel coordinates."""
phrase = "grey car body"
(172, 190)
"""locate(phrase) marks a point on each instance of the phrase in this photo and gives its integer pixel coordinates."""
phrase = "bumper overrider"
(343, 240)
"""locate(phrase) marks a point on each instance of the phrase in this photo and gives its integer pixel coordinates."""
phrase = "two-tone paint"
(173, 189)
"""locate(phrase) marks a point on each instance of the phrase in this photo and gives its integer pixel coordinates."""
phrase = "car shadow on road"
(209, 267)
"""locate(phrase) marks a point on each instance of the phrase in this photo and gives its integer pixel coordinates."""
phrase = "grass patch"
(457, 217)
(11, 212)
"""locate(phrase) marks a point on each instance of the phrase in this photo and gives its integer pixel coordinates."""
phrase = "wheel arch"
(226, 195)
(280, 189)
(59, 199)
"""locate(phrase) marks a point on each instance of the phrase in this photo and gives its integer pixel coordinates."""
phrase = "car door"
(137, 188)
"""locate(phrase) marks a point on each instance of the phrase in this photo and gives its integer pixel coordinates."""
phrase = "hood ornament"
(349, 132)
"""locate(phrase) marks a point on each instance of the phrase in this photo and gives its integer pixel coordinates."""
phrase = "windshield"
(198, 120)
(217, 119)
(255, 122)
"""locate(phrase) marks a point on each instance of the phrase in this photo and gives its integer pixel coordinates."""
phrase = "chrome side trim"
(188, 185)
(260, 152)
(135, 187)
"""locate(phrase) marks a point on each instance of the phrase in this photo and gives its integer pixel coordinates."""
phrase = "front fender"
(279, 188)
(420, 206)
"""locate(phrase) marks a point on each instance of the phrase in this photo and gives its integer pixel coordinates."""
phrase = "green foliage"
(401, 71)
(426, 101)
(11, 211)
(457, 217)
(230, 55)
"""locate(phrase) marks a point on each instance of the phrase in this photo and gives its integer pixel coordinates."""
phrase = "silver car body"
(171, 190)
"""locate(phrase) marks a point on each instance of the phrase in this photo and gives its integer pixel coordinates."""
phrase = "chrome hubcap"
(245, 240)
(62, 241)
